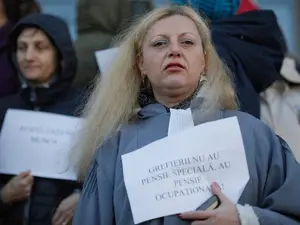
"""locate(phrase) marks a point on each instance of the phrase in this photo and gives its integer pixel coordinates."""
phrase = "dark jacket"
(8, 81)
(59, 98)
(253, 47)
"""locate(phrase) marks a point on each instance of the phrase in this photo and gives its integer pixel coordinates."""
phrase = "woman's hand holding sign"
(18, 188)
(225, 214)
(65, 211)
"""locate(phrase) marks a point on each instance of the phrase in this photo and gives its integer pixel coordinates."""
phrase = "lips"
(31, 67)
(174, 65)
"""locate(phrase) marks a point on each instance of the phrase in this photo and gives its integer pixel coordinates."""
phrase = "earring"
(145, 82)
(144, 75)
(202, 78)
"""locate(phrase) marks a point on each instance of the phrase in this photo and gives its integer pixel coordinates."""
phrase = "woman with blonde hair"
(166, 61)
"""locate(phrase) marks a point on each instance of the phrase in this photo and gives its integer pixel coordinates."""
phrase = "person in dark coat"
(10, 12)
(45, 62)
(254, 59)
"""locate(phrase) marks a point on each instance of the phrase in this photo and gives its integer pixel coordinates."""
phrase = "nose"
(29, 54)
(174, 50)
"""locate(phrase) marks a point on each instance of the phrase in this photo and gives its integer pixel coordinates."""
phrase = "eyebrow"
(25, 41)
(166, 36)
(37, 43)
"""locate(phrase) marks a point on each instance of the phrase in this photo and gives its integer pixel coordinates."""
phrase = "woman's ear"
(140, 63)
(203, 67)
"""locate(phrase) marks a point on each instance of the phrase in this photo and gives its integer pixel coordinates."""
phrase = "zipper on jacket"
(33, 99)
(27, 206)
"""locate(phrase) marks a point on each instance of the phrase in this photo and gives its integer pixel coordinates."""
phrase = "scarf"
(146, 97)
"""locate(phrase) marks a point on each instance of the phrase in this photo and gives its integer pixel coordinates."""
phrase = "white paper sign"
(39, 142)
(105, 57)
(174, 174)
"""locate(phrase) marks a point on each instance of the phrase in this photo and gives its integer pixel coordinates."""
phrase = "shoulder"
(131, 137)
(252, 129)
(76, 95)
(259, 136)
(115, 143)
(108, 151)
(71, 103)
(246, 120)
(11, 102)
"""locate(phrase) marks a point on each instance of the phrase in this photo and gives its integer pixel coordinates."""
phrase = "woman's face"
(36, 55)
(172, 55)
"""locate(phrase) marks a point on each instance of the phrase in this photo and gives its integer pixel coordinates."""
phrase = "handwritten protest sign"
(174, 174)
(37, 141)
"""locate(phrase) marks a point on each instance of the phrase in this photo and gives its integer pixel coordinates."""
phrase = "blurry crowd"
(41, 69)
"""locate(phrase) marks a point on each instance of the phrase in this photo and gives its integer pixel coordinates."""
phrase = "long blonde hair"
(115, 97)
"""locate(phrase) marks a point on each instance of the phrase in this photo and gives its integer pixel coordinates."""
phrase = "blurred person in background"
(213, 9)
(247, 6)
(45, 62)
(98, 22)
(280, 104)
(10, 13)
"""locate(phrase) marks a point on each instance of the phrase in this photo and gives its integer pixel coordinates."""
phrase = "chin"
(32, 77)
(175, 83)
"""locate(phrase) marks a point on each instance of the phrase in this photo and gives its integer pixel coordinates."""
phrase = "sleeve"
(96, 201)
(88, 208)
(247, 215)
(3, 206)
(280, 201)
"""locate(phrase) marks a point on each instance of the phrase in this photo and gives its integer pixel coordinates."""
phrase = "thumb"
(25, 174)
(216, 190)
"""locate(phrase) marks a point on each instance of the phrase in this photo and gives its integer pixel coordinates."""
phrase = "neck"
(36, 84)
(169, 102)
(172, 99)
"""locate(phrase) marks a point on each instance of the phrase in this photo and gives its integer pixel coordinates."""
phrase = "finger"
(28, 181)
(216, 190)
(28, 193)
(63, 219)
(24, 183)
(197, 215)
(25, 174)
(28, 189)
(57, 216)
